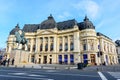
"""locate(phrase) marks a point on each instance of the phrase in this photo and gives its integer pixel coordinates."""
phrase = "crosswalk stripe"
(102, 76)
(115, 75)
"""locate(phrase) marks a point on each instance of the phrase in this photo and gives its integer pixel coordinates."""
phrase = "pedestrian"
(4, 62)
(8, 62)
(13, 61)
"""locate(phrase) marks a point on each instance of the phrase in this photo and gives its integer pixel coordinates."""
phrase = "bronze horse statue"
(20, 39)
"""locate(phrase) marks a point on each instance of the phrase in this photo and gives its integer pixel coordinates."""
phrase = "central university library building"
(67, 42)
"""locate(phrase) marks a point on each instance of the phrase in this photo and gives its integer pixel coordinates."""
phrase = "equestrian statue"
(20, 39)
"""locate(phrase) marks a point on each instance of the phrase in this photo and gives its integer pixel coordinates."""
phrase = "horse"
(20, 39)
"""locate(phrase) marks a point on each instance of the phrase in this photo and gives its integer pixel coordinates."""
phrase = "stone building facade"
(67, 42)
(118, 49)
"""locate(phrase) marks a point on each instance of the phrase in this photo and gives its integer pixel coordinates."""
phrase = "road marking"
(34, 75)
(115, 75)
(51, 71)
(102, 76)
(18, 73)
(23, 77)
(27, 74)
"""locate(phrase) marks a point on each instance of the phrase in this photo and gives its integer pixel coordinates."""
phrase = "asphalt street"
(52, 74)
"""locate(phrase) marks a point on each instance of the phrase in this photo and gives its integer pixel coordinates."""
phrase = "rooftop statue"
(20, 39)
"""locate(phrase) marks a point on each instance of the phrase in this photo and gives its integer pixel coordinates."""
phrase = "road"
(52, 74)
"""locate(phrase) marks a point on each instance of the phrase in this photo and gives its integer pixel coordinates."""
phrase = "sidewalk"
(44, 66)
(113, 68)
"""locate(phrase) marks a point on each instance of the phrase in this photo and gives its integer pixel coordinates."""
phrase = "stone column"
(37, 44)
(31, 45)
(43, 44)
(63, 43)
(9, 50)
(55, 42)
(48, 43)
(68, 43)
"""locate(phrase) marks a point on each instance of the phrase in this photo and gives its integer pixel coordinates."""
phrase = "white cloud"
(64, 15)
(88, 7)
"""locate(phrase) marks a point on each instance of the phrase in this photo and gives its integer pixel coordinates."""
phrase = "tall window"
(71, 46)
(51, 47)
(28, 47)
(41, 47)
(92, 46)
(34, 48)
(60, 47)
(46, 47)
(84, 47)
(66, 46)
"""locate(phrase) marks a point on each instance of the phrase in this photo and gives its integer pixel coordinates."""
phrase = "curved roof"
(117, 42)
(30, 27)
(86, 24)
(66, 24)
(17, 28)
(48, 24)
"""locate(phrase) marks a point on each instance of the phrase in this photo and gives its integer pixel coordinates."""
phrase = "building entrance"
(60, 59)
(45, 60)
(92, 56)
(65, 59)
(50, 61)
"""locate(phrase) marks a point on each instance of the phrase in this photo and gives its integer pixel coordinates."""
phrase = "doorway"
(50, 61)
(45, 60)
(92, 56)
(39, 60)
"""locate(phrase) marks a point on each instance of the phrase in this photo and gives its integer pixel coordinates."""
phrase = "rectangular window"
(71, 46)
(60, 47)
(41, 46)
(66, 46)
(71, 58)
(46, 47)
(84, 47)
(60, 59)
(51, 47)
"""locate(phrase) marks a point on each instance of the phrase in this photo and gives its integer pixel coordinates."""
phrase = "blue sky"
(105, 14)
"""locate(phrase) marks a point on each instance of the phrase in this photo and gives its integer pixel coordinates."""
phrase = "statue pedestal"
(20, 56)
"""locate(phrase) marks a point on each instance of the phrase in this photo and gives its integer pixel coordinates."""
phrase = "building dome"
(17, 28)
(48, 24)
(117, 42)
(86, 24)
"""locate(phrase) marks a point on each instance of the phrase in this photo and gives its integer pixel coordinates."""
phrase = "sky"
(104, 14)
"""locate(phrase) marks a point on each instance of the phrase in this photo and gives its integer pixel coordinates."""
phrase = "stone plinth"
(20, 56)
